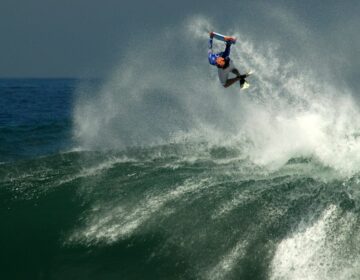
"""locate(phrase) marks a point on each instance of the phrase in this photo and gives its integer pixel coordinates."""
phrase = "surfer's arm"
(210, 45)
(211, 55)
(226, 52)
(211, 36)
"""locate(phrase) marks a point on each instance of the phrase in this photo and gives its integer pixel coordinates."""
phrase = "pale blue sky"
(75, 38)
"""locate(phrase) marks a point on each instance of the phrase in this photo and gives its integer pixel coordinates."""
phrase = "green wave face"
(179, 211)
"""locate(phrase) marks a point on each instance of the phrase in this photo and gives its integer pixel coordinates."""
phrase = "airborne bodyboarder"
(224, 64)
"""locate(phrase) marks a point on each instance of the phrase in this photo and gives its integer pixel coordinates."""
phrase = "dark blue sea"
(35, 117)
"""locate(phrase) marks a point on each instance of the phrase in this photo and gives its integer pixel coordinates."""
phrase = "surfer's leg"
(236, 72)
(229, 82)
(242, 80)
(242, 77)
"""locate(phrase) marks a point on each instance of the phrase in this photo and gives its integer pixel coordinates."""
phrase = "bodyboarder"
(225, 65)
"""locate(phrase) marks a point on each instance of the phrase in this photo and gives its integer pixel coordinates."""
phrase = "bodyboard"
(224, 38)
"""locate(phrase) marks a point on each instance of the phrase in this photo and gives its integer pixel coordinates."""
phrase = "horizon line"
(49, 78)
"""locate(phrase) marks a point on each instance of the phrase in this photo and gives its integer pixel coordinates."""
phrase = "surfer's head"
(220, 62)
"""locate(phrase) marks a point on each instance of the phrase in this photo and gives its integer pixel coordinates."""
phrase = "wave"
(205, 207)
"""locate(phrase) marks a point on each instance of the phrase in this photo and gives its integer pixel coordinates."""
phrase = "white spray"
(165, 89)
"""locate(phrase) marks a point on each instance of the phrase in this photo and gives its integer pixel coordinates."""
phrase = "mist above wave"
(166, 92)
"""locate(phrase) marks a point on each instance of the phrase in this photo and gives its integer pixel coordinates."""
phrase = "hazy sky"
(71, 38)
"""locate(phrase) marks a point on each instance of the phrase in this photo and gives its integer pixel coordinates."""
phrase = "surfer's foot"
(248, 73)
(242, 82)
(244, 85)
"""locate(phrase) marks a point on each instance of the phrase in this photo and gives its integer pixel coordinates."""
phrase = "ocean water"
(189, 210)
(35, 117)
(169, 180)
